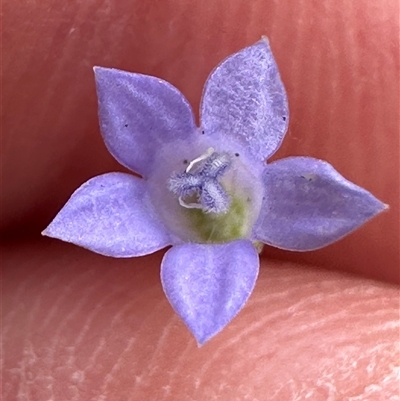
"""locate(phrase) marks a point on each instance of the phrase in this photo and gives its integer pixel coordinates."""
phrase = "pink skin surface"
(79, 326)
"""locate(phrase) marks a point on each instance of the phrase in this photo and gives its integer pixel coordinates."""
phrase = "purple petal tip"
(309, 205)
(208, 285)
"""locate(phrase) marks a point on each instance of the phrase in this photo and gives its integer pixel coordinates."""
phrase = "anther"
(202, 182)
(214, 199)
(184, 184)
(216, 165)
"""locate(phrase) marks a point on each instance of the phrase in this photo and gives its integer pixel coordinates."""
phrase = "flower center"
(204, 195)
(201, 181)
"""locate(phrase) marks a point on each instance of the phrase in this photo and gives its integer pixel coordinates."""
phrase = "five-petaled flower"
(207, 190)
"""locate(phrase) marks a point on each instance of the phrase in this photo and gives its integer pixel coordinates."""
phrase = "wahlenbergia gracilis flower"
(207, 190)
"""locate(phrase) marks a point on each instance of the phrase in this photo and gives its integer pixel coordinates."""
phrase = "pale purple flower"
(207, 191)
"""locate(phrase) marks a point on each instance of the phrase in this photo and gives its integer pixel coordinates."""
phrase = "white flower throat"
(205, 193)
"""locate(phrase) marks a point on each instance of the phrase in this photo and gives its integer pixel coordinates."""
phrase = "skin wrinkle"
(17, 295)
(103, 345)
(85, 328)
(92, 360)
(138, 335)
(112, 327)
(158, 348)
(62, 297)
(27, 341)
(153, 362)
(117, 365)
(97, 310)
(59, 333)
(174, 381)
(153, 366)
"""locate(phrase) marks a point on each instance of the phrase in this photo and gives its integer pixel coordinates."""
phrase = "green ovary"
(215, 229)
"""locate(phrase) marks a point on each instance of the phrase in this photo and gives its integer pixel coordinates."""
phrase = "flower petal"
(309, 205)
(244, 98)
(111, 214)
(207, 285)
(138, 114)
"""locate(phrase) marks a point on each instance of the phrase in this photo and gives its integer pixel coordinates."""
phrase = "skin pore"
(79, 326)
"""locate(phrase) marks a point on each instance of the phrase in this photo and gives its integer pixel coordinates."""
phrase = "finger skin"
(80, 326)
(338, 60)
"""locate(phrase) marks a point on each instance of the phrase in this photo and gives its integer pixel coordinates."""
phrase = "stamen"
(189, 205)
(216, 164)
(184, 184)
(209, 152)
(211, 196)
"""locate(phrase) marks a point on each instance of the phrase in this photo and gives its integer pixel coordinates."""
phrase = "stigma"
(198, 187)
